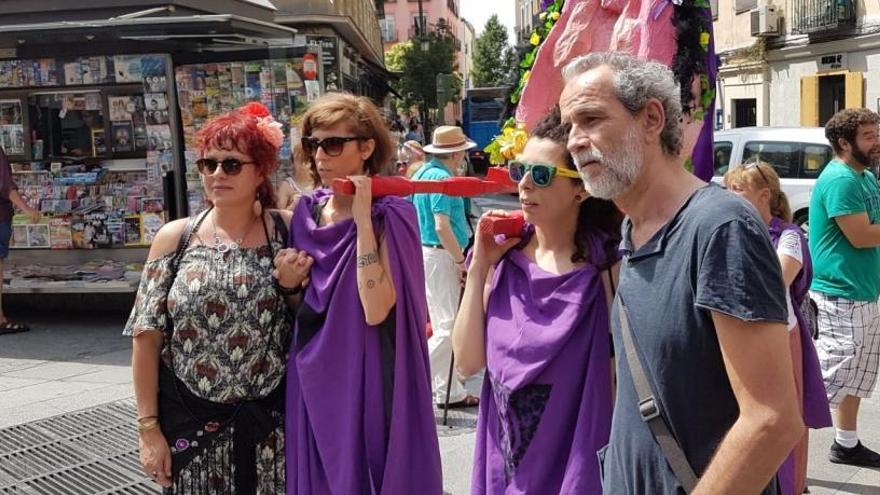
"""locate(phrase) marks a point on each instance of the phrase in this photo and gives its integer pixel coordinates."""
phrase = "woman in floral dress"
(210, 325)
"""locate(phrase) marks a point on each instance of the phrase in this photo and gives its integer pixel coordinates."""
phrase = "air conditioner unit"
(765, 21)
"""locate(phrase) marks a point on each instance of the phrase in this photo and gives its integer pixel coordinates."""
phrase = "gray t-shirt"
(714, 255)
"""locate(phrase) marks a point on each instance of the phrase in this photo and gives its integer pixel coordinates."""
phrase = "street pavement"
(73, 368)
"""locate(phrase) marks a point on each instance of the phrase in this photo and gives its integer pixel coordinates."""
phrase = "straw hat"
(414, 145)
(449, 139)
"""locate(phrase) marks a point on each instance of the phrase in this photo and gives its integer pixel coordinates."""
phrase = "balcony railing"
(814, 16)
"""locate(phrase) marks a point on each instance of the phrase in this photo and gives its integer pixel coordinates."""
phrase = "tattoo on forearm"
(367, 259)
(371, 284)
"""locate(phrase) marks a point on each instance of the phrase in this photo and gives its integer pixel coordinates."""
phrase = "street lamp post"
(425, 45)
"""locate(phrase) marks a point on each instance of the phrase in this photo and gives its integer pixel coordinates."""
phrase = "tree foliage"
(394, 56)
(492, 59)
(418, 68)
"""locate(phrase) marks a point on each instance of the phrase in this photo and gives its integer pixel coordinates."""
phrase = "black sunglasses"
(230, 166)
(333, 146)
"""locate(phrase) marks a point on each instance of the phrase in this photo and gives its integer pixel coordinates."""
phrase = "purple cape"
(359, 414)
(816, 411)
(545, 408)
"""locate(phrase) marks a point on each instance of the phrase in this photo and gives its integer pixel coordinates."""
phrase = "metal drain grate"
(21, 437)
(142, 488)
(38, 460)
(88, 452)
(86, 479)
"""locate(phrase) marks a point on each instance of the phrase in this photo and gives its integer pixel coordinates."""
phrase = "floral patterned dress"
(230, 344)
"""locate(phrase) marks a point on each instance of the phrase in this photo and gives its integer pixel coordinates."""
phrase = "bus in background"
(481, 116)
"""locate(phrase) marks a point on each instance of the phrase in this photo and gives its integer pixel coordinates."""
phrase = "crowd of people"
(280, 342)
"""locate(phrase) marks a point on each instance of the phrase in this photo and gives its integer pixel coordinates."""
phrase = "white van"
(798, 154)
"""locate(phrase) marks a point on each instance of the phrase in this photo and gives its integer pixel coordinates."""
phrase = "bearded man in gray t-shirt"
(702, 290)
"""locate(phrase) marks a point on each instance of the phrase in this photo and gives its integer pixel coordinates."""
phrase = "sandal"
(12, 327)
(469, 401)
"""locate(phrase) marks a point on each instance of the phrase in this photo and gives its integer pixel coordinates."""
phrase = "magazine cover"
(19, 236)
(121, 108)
(127, 68)
(154, 73)
(150, 223)
(116, 233)
(151, 204)
(155, 101)
(38, 235)
(59, 233)
(123, 137)
(159, 137)
(77, 226)
(73, 73)
(132, 230)
(156, 117)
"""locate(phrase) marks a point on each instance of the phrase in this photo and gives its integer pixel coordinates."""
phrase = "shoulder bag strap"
(281, 229)
(650, 411)
(191, 227)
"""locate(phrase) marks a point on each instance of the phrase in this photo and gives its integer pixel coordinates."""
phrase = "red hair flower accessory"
(266, 124)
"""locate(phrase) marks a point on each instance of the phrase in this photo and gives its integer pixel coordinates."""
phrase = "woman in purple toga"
(359, 414)
(758, 183)
(535, 314)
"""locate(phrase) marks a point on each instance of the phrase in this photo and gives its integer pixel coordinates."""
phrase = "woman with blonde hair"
(359, 414)
(294, 187)
(416, 157)
(758, 183)
(210, 325)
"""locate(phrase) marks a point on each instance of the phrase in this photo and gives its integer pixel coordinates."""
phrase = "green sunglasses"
(542, 173)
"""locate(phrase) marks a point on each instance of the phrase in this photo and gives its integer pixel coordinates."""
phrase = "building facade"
(526, 13)
(350, 38)
(401, 21)
(468, 45)
(401, 18)
(795, 62)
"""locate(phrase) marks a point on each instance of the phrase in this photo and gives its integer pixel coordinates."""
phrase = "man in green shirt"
(845, 247)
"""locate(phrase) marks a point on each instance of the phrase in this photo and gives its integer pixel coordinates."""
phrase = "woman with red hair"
(210, 325)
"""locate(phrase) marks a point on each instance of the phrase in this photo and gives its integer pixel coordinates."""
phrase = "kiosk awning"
(196, 33)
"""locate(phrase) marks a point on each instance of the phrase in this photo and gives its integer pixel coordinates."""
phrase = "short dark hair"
(845, 124)
(551, 128)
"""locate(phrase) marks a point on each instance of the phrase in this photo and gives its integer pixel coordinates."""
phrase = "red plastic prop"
(508, 226)
(497, 181)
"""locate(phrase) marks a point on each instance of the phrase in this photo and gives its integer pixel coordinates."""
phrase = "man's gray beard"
(620, 168)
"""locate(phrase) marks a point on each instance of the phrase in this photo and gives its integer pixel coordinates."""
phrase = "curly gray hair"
(635, 81)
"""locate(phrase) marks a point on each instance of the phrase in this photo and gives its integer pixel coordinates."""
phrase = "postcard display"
(285, 86)
(89, 207)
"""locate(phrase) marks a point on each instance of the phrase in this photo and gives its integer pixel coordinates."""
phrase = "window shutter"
(854, 94)
(810, 101)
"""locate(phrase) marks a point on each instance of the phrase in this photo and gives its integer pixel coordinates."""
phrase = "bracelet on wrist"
(290, 291)
(147, 424)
